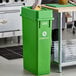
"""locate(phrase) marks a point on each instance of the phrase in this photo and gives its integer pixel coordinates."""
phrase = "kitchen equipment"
(10, 20)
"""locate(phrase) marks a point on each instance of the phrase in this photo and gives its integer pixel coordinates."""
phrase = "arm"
(37, 3)
(72, 2)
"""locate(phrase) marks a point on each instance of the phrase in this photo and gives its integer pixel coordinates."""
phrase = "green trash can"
(37, 31)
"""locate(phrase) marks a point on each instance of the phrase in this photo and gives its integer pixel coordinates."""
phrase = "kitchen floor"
(15, 68)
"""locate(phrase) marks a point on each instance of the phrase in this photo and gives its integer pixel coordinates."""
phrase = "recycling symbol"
(44, 33)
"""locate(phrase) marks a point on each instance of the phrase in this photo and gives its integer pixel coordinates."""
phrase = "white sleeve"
(72, 2)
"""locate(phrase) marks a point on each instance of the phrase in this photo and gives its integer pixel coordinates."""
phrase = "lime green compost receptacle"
(37, 30)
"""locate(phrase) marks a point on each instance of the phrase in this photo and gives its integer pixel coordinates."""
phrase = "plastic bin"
(37, 30)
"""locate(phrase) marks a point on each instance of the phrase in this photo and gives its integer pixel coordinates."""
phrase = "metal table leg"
(73, 27)
(19, 39)
(60, 42)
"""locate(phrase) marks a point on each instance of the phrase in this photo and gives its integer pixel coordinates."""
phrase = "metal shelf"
(68, 63)
(10, 34)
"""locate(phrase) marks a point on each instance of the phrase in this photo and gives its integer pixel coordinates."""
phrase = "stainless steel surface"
(10, 14)
(60, 42)
(10, 19)
(67, 45)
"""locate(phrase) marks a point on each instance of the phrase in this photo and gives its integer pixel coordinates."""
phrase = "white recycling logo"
(44, 33)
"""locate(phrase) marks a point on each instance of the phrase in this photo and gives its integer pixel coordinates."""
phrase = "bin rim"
(51, 18)
(36, 10)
